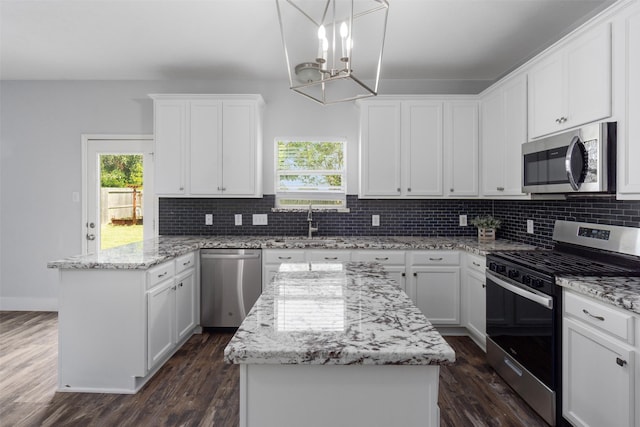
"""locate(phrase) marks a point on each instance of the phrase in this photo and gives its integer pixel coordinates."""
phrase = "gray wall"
(41, 123)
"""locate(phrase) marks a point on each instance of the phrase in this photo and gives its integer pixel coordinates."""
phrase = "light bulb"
(321, 57)
(344, 37)
(322, 33)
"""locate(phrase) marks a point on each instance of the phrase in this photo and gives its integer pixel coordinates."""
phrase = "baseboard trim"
(28, 304)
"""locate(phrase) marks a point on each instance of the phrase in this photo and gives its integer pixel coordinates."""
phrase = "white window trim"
(315, 195)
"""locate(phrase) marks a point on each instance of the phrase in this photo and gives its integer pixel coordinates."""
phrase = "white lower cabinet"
(160, 313)
(435, 285)
(171, 307)
(474, 298)
(598, 362)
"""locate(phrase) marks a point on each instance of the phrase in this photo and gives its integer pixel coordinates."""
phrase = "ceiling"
(240, 39)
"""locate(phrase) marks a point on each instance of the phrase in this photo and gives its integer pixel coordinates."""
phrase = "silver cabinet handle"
(284, 257)
(584, 310)
(435, 259)
(181, 188)
(621, 362)
(399, 190)
(331, 258)
(451, 190)
(180, 284)
(476, 264)
(382, 258)
(500, 188)
(163, 274)
(173, 288)
(409, 189)
(186, 263)
(91, 236)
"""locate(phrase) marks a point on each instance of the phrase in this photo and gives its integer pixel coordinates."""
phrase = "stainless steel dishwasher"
(230, 283)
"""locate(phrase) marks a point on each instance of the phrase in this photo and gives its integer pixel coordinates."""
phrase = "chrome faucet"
(312, 229)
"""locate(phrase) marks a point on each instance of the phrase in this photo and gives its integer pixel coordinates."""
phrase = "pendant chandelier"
(333, 48)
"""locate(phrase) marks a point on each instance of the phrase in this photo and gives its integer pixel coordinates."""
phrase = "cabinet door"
(629, 135)
(475, 295)
(170, 123)
(504, 129)
(588, 62)
(185, 303)
(160, 322)
(493, 141)
(380, 149)
(437, 294)
(515, 134)
(239, 151)
(546, 96)
(597, 378)
(461, 144)
(205, 148)
(422, 146)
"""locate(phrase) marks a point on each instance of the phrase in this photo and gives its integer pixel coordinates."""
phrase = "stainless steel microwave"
(581, 160)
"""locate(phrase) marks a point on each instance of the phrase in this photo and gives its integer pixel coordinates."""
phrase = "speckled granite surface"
(336, 314)
(155, 251)
(623, 292)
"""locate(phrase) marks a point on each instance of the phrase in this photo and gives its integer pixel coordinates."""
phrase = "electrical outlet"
(208, 219)
(463, 220)
(260, 219)
(238, 218)
(530, 226)
(375, 220)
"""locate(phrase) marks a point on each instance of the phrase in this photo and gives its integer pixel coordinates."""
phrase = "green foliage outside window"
(121, 170)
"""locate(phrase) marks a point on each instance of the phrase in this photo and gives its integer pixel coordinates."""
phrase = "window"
(310, 172)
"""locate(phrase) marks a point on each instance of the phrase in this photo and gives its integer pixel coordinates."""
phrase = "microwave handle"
(569, 160)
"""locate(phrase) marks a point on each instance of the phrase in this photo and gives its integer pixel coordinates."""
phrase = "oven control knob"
(537, 283)
(514, 274)
(501, 268)
(526, 280)
(492, 266)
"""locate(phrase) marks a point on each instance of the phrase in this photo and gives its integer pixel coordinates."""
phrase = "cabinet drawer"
(382, 257)
(476, 263)
(435, 258)
(614, 322)
(329, 256)
(277, 257)
(160, 273)
(185, 261)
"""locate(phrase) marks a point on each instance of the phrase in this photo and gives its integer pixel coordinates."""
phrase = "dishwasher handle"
(230, 256)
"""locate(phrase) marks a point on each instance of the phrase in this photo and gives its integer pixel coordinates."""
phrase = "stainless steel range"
(524, 306)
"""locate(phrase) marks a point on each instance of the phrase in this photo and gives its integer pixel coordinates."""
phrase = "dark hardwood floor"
(195, 388)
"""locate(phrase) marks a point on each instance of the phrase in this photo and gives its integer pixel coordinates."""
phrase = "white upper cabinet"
(461, 149)
(402, 148)
(208, 145)
(380, 140)
(572, 86)
(629, 93)
(504, 130)
(422, 148)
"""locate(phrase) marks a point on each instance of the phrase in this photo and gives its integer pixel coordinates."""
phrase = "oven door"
(520, 321)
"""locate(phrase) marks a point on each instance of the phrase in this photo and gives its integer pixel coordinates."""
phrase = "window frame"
(311, 195)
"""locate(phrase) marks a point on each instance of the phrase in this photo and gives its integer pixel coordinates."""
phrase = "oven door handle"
(543, 300)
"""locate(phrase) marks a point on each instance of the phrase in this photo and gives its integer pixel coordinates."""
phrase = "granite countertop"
(336, 314)
(142, 255)
(623, 292)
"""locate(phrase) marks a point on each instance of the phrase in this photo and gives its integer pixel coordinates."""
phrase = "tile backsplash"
(186, 216)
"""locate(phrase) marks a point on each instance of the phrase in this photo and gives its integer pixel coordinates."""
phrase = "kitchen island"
(337, 344)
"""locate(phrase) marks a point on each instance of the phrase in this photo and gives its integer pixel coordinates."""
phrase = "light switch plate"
(208, 219)
(375, 220)
(238, 218)
(530, 226)
(260, 219)
(463, 220)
